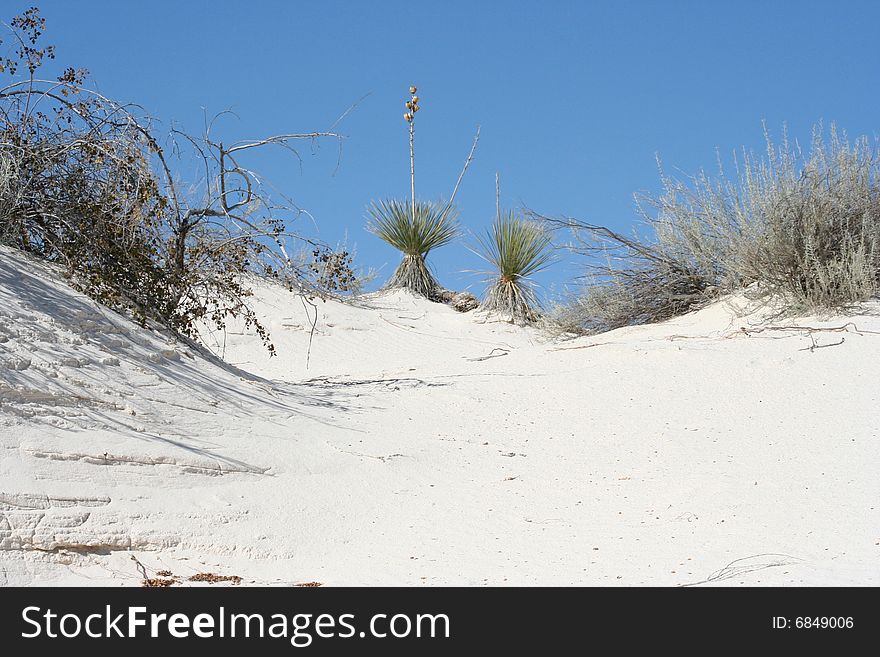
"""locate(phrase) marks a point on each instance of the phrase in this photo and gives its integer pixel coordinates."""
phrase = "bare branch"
(467, 163)
(280, 140)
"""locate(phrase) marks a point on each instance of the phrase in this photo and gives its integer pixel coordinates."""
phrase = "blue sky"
(575, 99)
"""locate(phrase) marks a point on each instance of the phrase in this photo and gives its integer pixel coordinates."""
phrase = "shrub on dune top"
(85, 183)
(801, 228)
(414, 232)
(517, 248)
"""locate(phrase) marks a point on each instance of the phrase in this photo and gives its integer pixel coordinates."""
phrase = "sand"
(413, 445)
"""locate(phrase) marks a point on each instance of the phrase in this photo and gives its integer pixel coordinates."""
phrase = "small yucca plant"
(414, 231)
(517, 249)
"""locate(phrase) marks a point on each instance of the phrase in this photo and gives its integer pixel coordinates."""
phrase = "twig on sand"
(583, 346)
(816, 345)
(810, 329)
(163, 579)
(384, 458)
(395, 384)
(314, 324)
(747, 565)
(141, 568)
(849, 327)
(546, 521)
(491, 354)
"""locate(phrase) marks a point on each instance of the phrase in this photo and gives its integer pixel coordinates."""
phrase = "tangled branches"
(84, 182)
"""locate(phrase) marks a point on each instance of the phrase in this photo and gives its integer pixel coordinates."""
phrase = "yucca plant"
(517, 249)
(416, 227)
(414, 231)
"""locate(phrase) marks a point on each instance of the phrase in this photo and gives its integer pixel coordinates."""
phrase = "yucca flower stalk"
(417, 227)
(412, 106)
(415, 230)
(517, 249)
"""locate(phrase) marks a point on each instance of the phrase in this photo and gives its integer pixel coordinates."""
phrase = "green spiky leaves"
(414, 232)
(517, 249)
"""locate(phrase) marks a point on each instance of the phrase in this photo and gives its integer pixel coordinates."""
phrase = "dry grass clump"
(799, 227)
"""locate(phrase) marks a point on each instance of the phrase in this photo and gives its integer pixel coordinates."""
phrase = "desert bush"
(84, 182)
(516, 248)
(76, 185)
(812, 227)
(631, 280)
(799, 227)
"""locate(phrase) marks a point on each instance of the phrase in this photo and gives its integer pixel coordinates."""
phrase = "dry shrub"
(84, 182)
(799, 227)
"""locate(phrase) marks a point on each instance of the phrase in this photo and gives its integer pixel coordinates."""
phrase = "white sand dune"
(422, 446)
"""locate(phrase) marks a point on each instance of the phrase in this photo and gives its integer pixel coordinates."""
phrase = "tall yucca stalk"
(416, 227)
(517, 249)
(414, 230)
